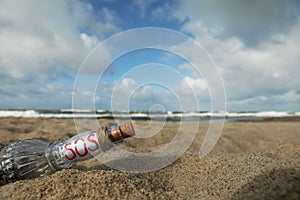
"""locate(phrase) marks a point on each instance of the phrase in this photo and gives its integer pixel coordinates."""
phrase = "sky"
(254, 46)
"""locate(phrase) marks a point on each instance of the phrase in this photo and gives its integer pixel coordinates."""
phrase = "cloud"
(254, 44)
(122, 93)
(189, 87)
(142, 5)
(89, 41)
(37, 39)
(42, 42)
(250, 21)
(30, 96)
(270, 71)
(128, 94)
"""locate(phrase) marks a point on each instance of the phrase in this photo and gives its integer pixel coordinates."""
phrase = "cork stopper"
(116, 133)
(127, 129)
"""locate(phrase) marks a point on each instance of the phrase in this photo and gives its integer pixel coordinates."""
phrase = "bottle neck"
(54, 157)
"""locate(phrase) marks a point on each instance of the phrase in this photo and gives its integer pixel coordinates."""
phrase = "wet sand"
(251, 160)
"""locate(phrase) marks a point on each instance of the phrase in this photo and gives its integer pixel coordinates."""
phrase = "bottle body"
(24, 158)
(32, 158)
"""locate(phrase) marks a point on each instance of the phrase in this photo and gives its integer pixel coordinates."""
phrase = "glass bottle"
(25, 159)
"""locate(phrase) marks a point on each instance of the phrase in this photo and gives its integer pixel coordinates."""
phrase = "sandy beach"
(251, 160)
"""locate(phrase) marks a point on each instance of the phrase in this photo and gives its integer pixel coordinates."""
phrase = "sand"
(252, 160)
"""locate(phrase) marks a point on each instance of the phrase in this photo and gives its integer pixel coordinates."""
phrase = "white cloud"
(255, 45)
(43, 40)
(48, 33)
(251, 21)
(122, 93)
(89, 41)
(142, 5)
(193, 94)
(128, 94)
(190, 87)
(263, 64)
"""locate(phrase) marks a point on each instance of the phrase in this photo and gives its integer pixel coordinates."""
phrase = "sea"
(146, 115)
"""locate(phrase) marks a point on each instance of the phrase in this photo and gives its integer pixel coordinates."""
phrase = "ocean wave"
(71, 113)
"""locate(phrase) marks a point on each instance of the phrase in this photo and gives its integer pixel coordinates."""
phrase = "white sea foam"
(16, 113)
(142, 115)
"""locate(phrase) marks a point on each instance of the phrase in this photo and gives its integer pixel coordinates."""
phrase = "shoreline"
(202, 119)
